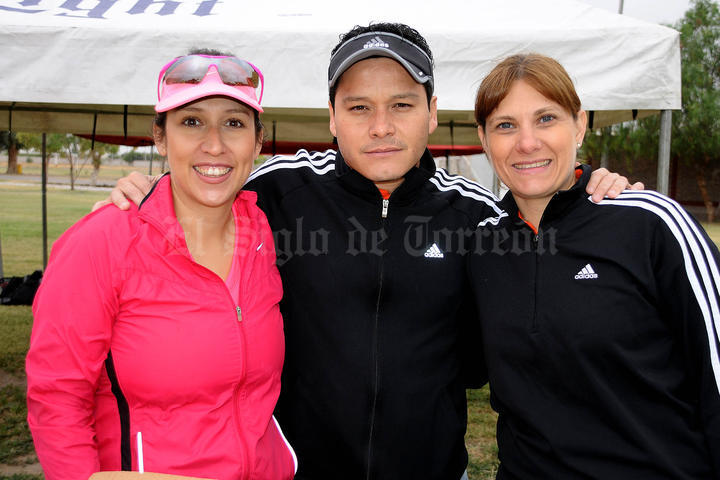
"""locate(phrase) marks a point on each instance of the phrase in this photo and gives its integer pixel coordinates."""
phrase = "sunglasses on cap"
(191, 77)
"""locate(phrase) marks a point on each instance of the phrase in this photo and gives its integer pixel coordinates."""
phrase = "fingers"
(101, 204)
(637, 186)
(605, 184)
(134, 187)
(117, 196)
(142, 183)
(617, 187)
(595, 178)
(610, 186)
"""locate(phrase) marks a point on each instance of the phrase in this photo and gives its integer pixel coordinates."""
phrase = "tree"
(95, 154)
(696, 129)
(630, 142)
(9, 141)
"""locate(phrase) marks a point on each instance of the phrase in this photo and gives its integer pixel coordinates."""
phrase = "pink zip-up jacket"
(131, 335)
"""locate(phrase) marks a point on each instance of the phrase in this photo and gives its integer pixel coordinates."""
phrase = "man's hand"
(132, 188)
(603, 183)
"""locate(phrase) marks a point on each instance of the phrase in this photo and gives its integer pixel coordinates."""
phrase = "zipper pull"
(386, 203)
(239, 314)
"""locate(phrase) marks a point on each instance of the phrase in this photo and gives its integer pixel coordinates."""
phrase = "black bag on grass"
(19, 290)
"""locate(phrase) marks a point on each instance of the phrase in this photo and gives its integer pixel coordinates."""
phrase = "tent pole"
(663, 178)
(44, 199)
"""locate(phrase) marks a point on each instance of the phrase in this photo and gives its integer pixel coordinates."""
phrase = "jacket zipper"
(243, 364)
(536, 242)
(373, 408)
(537, 238)
(238, 314)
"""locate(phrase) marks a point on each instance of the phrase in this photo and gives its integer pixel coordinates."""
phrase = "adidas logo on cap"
(376, 42)
(586, 273)
(434, 252)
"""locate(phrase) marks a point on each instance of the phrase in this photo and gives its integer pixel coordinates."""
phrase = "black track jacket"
(376, 297)
(601, 339)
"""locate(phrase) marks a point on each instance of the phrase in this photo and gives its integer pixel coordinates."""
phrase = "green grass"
(21, 222)
(15, 439)
(21, 236)
(713, 230)
(15, 330)
(16, 446)
(480, 436)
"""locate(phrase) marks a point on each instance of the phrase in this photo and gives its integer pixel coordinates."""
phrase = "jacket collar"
(559, 203)
(157, 209)
(414, 179)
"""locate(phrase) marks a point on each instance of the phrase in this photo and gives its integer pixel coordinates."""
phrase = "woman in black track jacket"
(600, 321)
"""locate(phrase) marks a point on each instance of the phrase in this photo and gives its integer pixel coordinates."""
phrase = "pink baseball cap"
(192, 77)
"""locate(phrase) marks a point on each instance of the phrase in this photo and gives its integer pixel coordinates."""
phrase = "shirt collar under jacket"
(559, 203)
(416, 178)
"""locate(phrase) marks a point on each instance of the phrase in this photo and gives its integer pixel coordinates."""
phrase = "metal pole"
(620, 10)
(44, 199)
(663, 178)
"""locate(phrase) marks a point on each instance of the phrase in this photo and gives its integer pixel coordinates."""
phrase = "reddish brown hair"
(543, 73)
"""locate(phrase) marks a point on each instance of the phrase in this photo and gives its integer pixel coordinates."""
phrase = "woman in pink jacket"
(157, 330)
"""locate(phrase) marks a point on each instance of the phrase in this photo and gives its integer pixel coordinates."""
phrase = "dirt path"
(7, 379)
(28, 469)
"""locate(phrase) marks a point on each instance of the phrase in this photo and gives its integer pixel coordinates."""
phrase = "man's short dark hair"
(399, 29)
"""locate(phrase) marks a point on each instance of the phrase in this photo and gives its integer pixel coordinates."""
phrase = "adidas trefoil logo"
(376, 42)
(586, 273)
(434, 252)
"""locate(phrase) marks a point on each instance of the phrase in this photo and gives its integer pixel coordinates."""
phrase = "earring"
(579, 144)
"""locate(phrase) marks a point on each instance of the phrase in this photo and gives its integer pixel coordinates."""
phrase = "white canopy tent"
(90, 65)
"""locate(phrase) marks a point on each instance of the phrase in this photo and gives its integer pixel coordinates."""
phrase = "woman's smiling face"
(211, 145)
(532, 143)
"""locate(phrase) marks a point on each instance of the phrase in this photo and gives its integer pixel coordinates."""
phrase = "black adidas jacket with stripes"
(376, 306)
(601, 339)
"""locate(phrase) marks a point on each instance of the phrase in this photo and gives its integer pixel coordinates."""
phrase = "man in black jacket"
(371, 244)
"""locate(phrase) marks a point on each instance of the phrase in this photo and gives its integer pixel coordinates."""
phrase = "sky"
(656, 11)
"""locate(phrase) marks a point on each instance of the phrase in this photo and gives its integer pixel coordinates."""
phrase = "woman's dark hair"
(160, 119)
(399, 29)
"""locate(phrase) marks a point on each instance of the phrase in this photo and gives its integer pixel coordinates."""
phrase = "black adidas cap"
(381, 44)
